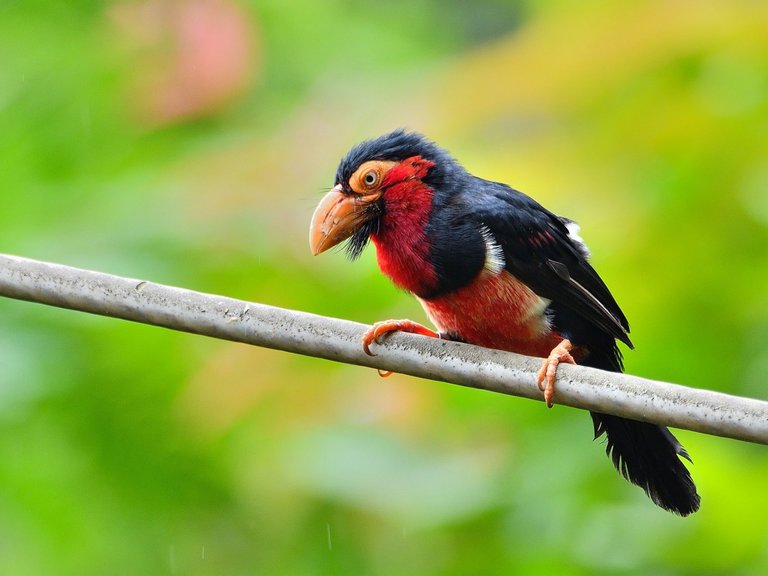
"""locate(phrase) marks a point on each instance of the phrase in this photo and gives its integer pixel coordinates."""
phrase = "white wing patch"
(573, 234)
(494, 253)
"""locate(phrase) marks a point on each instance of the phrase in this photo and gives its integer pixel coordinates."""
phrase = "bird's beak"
(336, 218)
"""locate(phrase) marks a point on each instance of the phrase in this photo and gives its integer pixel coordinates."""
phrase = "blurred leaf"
(127, 449)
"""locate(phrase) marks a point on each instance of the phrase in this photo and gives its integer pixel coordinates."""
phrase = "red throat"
(402, 246)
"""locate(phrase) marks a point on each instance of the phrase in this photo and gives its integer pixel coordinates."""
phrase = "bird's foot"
(548, 371)
(376, 332)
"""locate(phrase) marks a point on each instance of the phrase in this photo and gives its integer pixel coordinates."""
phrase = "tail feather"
(648, 455)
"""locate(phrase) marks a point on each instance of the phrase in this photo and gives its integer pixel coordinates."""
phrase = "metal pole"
(333, 339)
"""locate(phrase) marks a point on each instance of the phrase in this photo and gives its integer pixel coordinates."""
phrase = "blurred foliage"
(187, 142)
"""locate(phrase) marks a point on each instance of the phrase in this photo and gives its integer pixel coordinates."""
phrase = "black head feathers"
(397, 145)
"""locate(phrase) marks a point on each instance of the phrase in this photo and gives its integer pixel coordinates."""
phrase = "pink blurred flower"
(192, 57)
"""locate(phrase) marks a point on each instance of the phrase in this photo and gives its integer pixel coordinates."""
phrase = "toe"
(542, 374)
(368, 338)
(549, 396)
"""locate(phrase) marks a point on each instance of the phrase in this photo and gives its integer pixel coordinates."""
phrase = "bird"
(493, 267)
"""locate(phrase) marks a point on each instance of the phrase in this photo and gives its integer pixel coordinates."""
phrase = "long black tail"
(645, 454)
(649, 456)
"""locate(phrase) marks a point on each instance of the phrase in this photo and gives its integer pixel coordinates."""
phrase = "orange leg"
(548, 371)
(381, 329)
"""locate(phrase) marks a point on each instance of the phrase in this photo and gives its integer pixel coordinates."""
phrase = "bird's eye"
(370, 179)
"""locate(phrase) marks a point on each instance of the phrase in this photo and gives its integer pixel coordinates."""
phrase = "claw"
(376, 332)
(548, 371)
(380, 329)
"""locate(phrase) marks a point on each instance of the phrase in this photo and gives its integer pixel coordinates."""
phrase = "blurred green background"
(187, 142)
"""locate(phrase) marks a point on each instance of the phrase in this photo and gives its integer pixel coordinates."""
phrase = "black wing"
(539, 251)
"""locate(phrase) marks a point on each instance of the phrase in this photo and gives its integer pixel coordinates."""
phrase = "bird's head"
(371, 174)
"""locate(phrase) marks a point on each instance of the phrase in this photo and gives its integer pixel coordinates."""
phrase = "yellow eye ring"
(369, 176)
